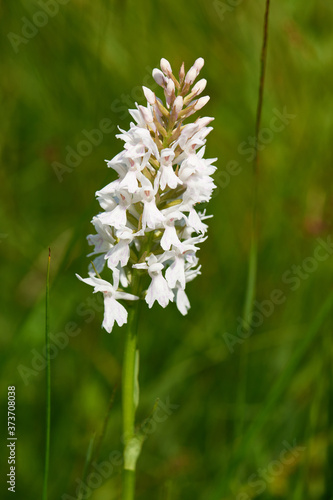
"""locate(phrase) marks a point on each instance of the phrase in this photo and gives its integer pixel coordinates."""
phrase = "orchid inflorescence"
(150, 226)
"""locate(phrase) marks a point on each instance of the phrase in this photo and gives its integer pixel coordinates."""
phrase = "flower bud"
(146, 114)
(165, 67)
(199, 86)
(200, 103)
(194, 71)
(169, 92)
(203, 122)
(178, 104)
(159, 77)
(190, 76)
(198, 65)
(170, 89)
(149, 95)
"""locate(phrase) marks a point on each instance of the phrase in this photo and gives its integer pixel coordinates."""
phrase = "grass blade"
(277, 391)
(86, 464)
(48, 380)
(253, 255)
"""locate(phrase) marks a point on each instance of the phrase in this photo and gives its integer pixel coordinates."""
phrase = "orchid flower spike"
(149, 230)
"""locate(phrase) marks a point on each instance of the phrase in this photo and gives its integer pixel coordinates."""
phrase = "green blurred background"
(237, 410)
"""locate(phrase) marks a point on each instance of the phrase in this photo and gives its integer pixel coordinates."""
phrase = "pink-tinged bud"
(149, 95)
(159, 77)
(198, 65)
(178, 104)
(200, 103)
(190, 76)
(199, 86)
(194, 71)
(147, 115)
(165, 67)
(170, 87)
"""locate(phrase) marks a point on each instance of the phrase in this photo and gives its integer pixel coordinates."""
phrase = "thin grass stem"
(48, 380)
(253, 255)
(86, 465)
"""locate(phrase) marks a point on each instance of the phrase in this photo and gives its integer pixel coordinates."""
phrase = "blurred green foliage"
(236, 409)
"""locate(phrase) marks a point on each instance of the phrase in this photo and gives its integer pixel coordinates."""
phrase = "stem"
(86, 465)
(128, 484)
(252, 267)
(48, 381)
(128, 377)
(128, 391)
(252, 270)
(253, 256)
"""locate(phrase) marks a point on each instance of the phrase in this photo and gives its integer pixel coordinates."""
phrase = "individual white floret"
(113, 310)
(158, 289)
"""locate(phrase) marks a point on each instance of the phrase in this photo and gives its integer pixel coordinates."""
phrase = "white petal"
(151, 217)
(176, 273)
(182, 302)
(142, 265)
(159, 290)
(116, 218)
(130, 182)
(168, 177)
(195, 222)
(99, 264)
(113, 311)
(99, 284)
(119, 253)
(169, 238)
(125, 296)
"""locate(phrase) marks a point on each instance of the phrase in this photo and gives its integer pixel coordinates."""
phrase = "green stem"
(128, 484)
(253, 256)
(252, 267)
(128, 376)
(48, 381)
(128, 402)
